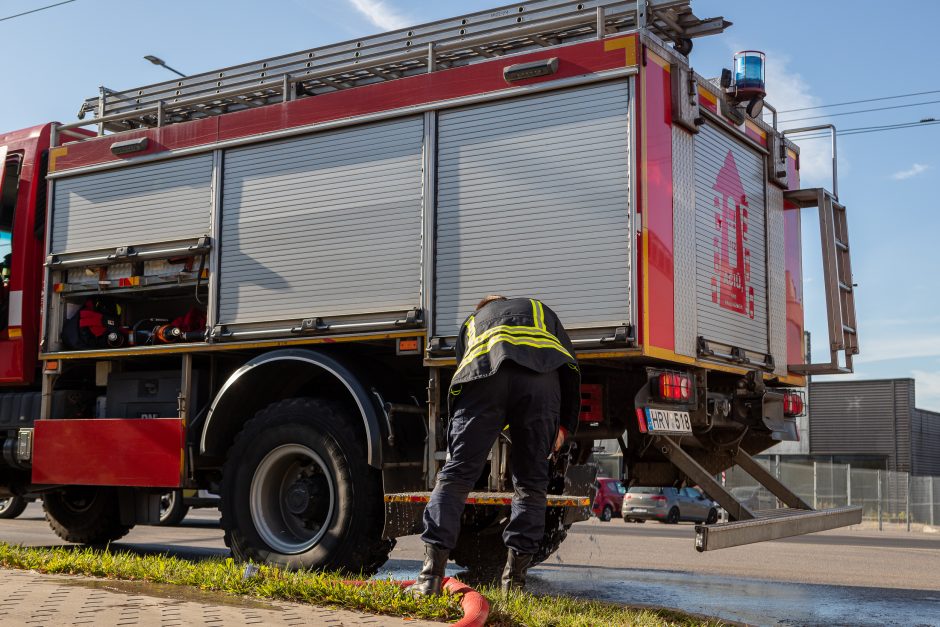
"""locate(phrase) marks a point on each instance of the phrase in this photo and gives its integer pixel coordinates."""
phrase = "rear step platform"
(773, 524)
(754, 526)
(491, 498)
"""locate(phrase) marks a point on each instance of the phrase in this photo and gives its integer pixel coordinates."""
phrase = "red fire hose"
(475, 607)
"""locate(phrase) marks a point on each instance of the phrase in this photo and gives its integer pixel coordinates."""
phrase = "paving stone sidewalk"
(37, 600)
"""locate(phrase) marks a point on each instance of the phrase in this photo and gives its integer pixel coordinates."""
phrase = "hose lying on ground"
(475, 606)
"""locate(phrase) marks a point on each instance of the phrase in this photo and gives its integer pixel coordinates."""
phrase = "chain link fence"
(885, 496)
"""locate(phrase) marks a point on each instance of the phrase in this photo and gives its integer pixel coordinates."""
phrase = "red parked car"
(609, 498)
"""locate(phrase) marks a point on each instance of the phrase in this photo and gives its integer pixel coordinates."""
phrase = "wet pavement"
(755, 602)
(844, 577)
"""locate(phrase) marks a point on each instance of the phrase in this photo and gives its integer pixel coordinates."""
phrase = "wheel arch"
(280, 374)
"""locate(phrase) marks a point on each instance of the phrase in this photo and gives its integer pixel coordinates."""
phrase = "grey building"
(874, 424)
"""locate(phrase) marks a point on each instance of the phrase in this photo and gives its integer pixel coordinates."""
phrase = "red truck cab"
(23, 164)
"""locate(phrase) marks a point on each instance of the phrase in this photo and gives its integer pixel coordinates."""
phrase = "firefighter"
(515, 366)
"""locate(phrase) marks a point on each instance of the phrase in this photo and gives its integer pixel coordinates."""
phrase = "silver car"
(668, 505)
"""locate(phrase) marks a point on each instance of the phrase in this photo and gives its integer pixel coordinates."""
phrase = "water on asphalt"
(749, 601)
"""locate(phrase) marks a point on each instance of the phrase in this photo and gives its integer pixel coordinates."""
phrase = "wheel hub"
(292, 499)
(297, 499)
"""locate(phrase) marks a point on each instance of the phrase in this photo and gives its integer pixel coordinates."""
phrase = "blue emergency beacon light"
(749, 79)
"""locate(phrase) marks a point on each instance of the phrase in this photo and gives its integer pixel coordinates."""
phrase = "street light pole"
(162, 63)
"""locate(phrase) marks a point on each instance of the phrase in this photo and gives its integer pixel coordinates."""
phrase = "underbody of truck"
(249, 281)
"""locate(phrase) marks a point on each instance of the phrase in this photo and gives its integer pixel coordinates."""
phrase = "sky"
(818, 53)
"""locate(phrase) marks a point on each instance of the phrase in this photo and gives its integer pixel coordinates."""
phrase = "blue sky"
(818, 53)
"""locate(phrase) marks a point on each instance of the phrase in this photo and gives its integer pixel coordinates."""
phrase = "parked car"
(668, 505)
(608, 499)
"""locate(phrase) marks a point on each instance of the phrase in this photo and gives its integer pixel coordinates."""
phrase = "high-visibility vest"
(527, 332)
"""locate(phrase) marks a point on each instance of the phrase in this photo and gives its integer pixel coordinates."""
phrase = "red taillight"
(629, 496)
(675, 387)
(659, 498)
(793, 404)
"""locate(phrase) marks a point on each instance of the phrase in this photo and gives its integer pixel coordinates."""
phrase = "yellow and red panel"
(793, 255)
(657, 276)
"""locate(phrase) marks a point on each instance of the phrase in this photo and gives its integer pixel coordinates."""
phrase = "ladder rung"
(842, 245)
(847, 329)
(845, 288)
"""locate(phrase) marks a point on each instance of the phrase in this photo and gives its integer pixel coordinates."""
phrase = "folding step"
(750, 526)
(773, 525)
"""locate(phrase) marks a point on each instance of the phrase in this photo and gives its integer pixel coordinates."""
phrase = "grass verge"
(227, 576)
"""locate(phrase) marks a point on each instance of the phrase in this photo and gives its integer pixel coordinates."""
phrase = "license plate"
(638, 510)
(667, 421)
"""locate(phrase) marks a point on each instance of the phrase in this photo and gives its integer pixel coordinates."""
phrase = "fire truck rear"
(249, 281)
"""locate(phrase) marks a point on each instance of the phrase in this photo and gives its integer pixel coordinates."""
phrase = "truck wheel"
(85, 515)
(12, 507)
(172, 508)
(607, 514)
(297, 491)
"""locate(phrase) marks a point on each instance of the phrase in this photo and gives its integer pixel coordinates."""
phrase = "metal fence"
(886, 496)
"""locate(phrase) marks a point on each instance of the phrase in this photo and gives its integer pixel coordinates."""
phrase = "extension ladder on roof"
(438, 45)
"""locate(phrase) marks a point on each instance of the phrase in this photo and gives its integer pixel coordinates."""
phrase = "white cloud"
(897, 345)
(914, 170)
(379, 14)
(788, 90)
(927, 388)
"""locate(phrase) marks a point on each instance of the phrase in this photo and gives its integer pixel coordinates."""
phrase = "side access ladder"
(837, 277)
(511, 29)
(749, 526)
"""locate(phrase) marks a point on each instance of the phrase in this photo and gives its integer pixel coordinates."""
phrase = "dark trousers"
(530, 402)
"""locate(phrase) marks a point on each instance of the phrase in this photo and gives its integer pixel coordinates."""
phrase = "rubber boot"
(517, 565)
(430, 580)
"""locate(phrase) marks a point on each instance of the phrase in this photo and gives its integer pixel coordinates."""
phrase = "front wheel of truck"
(85, 515)
(297, 491)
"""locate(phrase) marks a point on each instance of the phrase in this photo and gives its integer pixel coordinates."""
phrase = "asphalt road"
(843, 577)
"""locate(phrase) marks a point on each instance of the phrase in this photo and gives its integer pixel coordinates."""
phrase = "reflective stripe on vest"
(535, 336)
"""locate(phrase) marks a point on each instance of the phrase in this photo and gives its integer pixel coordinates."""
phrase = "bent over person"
(515, 367)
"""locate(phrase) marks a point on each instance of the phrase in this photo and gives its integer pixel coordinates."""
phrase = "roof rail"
(527, 25)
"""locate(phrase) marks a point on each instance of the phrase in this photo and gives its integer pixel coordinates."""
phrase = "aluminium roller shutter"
(731, 276)
(153, 203)
(533, 199)
(323, 225)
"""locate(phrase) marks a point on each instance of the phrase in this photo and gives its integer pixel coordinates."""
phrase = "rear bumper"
(651, 513)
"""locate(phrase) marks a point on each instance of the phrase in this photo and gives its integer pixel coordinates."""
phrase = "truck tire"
(85, 515)
(297, 491)
(172, 508)
(12, 507)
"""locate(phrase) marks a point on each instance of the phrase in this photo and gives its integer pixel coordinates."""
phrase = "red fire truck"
(249, 281)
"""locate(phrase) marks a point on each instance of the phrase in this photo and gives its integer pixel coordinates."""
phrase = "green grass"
(227, 576)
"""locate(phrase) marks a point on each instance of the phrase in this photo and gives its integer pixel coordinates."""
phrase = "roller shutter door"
(324, 225)
(731, 291)
(533, 200)
(153, 203)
